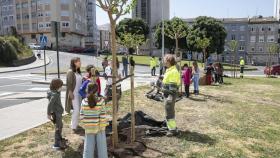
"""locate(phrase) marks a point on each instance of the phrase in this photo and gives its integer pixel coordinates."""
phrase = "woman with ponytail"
(93, 119)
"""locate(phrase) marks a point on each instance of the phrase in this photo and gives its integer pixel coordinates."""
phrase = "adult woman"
(73, 99)
(171, 83)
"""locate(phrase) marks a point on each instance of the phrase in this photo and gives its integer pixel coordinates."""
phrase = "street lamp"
(162, 32)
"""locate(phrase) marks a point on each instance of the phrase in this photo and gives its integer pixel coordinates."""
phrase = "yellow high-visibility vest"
(153, 63)
(242, 62)
(172, 76)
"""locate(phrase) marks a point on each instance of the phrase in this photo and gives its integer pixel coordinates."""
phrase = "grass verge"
(238, 119)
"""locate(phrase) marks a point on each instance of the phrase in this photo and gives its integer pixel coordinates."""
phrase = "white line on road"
(14, 84)
(38, 89)
(4, 94)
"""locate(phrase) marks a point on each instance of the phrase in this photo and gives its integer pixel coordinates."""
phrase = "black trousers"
(187, 90)
(153, 71)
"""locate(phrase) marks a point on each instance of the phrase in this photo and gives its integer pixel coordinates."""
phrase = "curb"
(1, 72)
(44, 82)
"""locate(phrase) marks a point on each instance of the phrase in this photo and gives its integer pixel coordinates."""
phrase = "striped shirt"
(94, 119)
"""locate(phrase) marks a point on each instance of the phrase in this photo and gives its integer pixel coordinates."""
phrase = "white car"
(33, 46)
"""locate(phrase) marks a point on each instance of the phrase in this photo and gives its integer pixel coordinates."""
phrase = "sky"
(214, 8)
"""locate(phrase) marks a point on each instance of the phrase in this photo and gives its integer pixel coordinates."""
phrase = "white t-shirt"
(79, 80)
(108, 72)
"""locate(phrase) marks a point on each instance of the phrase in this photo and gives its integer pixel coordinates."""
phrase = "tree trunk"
(176, 49)
(132, 105)
(114, 88)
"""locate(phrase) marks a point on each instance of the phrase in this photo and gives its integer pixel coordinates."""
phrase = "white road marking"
(14, 84)
(6, 93)
(38, 89)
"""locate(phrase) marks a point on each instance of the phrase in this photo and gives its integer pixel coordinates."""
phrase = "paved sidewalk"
(19, 118)
(38, 63)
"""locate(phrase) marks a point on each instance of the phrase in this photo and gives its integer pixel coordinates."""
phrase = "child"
(93, 118)
(55, 111)
(187, 79)
(195, 78)
(88, 79)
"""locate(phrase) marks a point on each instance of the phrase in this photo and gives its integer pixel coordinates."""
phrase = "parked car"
(274, 70)
(33, 46)
(89, 50)
(77, 50)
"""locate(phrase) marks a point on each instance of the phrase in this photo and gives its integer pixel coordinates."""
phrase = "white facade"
(276, 12)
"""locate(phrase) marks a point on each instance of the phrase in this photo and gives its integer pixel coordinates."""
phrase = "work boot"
(171, 133)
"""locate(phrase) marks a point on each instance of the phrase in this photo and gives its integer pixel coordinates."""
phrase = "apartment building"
(254, 36)
(93, 36)
(32, 18)
(7, 14)
(105, 37)
(152, 12)
(263, 31)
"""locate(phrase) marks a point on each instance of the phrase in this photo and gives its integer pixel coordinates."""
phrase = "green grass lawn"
(145, 60)
(240, 119)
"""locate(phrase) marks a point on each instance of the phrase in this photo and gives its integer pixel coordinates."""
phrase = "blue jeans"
(89, 145)
(196, 82)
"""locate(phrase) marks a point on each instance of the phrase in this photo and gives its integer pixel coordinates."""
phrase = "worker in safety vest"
(242, 65)
(153, 65)
(171, 84)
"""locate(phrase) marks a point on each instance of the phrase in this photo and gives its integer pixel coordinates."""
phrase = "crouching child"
(55, 111)
(94, 121)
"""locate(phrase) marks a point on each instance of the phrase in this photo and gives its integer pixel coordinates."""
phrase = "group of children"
(214, 73)
(92, 114)
(191, 74)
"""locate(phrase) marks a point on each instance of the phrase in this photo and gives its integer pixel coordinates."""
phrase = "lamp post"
(162, 32)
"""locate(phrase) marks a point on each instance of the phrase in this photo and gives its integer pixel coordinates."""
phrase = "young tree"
(233, 44)
(168, 42)
(132, 33)
(176, 29)
(132, 40)
(115, 9)
(203, 44)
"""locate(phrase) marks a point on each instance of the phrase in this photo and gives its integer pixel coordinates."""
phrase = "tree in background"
(210, 28)
(233, 44)
(169, 42)
(203, 44)
(115, 9)
(272, 50)
(132, 33)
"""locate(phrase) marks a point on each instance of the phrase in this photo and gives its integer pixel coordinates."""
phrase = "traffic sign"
(43, 40)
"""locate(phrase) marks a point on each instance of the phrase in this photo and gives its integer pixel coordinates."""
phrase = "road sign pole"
(45, 63)
(57, 51)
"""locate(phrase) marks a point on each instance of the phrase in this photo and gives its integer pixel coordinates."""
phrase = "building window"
(252, 29)
(18, 16)
(48, 25)
(41, 25)
(253, 49)
(261, 39)
(262, 29)
(270, 28)
(18, 6)
(18, 27)
(233, 27)
(47, 14)
(25, 27)
(34, 26)
(232, 37)
(241, 48)
(24, 5)
(253, 39)
(242, 38)
(242, 28)
(65, 24)
(261, 49)
(270, 38)
(65, 13)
